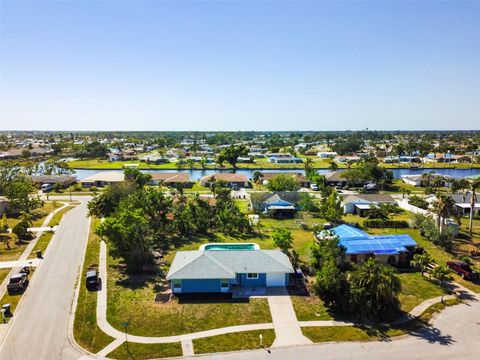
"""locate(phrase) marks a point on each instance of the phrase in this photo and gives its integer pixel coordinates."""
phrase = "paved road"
(454, 335)
(39, 329)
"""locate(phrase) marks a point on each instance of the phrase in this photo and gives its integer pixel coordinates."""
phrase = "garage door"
(275, 279)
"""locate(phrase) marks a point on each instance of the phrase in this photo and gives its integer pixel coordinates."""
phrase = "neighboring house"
(171, 179)
(462, 203)
(232, 179)
(62, 180)
(103, 178)
(360, 203)
(336, 179)
(299, 177)
(220, 270)
(360, 246)
(327, 154)
(419, 180)
(346, 159)
(275, 204)
(4, 205)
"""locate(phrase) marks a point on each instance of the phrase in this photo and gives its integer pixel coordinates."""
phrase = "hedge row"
(379, 223)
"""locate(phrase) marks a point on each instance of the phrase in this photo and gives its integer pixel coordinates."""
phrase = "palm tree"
(374, 290)
(474, 185)
(443, 207)
(427, 178)
(441, 273)
(333, 166)
(421, 261)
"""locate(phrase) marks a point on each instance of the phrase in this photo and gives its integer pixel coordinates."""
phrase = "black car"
(92, 280)
(17, 282)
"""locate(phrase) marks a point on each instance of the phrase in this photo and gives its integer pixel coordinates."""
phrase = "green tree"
(283, 239)
(441, 273)
(330, 283)
(474, 185)
(19, 191)
(333, 165)
(129, 236)
(374, 290)
(421, 261)
(331, 208)
(283, 183)
(232, 153)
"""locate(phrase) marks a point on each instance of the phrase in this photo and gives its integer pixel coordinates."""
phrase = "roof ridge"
(217, 262)
(271, 257)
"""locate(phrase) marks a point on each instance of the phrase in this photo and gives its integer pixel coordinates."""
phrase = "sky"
(226, 65)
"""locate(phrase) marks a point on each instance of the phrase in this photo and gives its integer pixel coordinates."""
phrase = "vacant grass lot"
(146, 351)
(310, 308)
(85, 329)
(234, 342)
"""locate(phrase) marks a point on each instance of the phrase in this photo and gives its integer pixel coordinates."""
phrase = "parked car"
(314, 187)
(47, 187)
(463, 269)
(17, 282)
(92, 280)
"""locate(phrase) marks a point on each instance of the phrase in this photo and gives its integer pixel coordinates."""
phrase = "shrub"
(418, 202)
(93, 189)
(385, 223)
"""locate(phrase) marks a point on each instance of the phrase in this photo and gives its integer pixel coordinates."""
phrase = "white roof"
(107, 176)
(363, 206)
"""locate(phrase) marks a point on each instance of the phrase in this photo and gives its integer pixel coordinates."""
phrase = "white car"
(314, 187)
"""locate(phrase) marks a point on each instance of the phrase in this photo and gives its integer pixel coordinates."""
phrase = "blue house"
(360, 246)
(223, 267)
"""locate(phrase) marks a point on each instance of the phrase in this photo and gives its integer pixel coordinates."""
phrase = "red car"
(463, 269)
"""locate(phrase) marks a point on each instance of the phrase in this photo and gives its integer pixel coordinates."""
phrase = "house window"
(177, 284)
(224, 283)
(252, 276)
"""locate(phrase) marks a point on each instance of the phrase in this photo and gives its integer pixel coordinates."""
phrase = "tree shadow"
(134, 281)
(432, 335)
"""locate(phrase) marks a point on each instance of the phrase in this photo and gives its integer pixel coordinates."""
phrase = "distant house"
(103, 178)
(170, 179)
(299, 177)
(360, 203)
(360, 246)
(62, 180)
(225, 267)
(4, 205)
(232, 179)
(283, 158)
(336, 179)
(421, 180)
(275, 204)
(327, 154)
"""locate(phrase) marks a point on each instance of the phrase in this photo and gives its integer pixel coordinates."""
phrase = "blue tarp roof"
(357, 241)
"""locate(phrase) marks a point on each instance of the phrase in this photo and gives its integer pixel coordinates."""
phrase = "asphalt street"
(39, 328)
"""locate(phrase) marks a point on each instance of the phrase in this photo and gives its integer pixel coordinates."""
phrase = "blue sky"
(222, 65)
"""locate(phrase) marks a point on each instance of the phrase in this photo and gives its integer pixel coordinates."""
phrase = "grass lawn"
(416, 289)
(365, 333)
(59, 215)
(14, 252)
(132, 298)
(234, 342)
(310, 308)
(14, 299)
(85, 329)
(41, 244)
(243, 205)
(3, 274)
(146, 351)
(41, 213)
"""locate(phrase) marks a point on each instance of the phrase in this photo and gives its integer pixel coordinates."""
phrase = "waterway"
(196, 174)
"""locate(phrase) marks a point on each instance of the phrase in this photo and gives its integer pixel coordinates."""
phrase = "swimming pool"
(229, 246)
